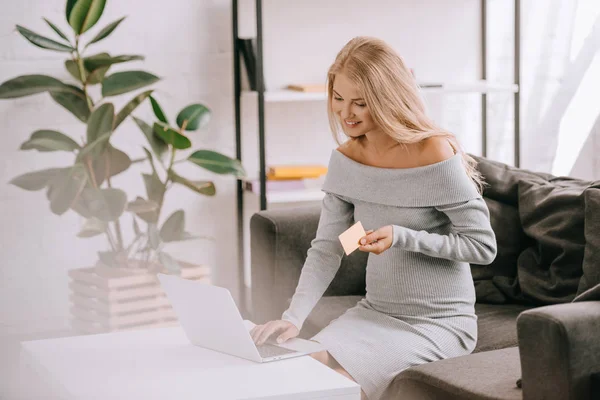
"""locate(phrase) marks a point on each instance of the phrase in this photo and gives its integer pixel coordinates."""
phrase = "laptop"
(210, 319)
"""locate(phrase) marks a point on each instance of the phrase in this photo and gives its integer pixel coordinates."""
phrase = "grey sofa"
(537, 304)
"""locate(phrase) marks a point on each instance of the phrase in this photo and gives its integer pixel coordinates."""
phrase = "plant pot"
(108, 299)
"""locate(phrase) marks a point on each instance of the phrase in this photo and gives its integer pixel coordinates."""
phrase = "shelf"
(292, 196)
(474, 87)
(277, 96)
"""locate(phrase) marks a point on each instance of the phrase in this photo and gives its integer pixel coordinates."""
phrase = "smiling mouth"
(351, 124)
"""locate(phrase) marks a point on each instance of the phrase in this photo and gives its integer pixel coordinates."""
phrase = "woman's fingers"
(370, 237)
(256, 331)
(270, 328)
(261, 333)
(376, 247)
(289, 333)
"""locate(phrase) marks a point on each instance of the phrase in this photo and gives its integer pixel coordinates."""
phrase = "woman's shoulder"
(435, 150)
(350, 149)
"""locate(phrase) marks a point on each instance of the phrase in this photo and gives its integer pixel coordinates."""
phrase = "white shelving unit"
(279, 74)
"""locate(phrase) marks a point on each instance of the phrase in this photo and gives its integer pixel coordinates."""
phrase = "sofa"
(538, 303)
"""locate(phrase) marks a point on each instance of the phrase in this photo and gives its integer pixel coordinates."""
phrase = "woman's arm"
(472, 239)
(323, 258)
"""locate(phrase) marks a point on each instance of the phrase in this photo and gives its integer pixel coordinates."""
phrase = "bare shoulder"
(349, 148)
(436, 149)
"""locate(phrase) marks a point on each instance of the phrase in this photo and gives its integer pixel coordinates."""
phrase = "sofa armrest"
(279, 242)
(559, 348)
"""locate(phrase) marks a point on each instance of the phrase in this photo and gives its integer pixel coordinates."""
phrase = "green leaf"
(27, 85)
(129, 107)
(73, 68)
(58, 31)
(36, 180)
(106, 31)
(155, 191)
(169, 262)
(103, 60)
(111, 162)
(100, 122)
(95, 148)
(76, 104)
(127, 81)
(65, 188)
(136, 227)
(70, 4)
(173, 227)
(158, 110)
(171, 136)
(140, 205)
(159, 147)
(189, 236)
(96, 66)
(43, 42)
(113, 259)
(92, 227)
(217, 162)
(84, 14)
(48, 140)
(153, 236)
(194, 116)
(206, 188)
(105, 204)
(151, 160)
(97, 76)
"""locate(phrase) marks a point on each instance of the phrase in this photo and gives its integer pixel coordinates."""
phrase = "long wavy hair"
(392, 96)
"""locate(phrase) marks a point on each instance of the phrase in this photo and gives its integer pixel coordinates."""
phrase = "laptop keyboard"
(268, 350)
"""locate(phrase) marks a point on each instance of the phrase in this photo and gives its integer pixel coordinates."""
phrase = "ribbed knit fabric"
(419, 303)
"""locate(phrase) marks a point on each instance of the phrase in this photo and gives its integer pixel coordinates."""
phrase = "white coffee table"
(160, 363)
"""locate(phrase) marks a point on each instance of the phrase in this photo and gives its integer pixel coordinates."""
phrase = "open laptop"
(211, 319)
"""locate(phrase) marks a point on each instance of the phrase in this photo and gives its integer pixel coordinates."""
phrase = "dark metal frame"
(261, 115)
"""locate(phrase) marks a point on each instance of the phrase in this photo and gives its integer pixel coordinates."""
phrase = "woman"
(400, 173)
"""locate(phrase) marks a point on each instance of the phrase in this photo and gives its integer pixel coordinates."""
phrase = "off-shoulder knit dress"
(419, 302)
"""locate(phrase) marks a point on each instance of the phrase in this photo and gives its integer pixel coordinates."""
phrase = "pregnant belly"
(408, 283)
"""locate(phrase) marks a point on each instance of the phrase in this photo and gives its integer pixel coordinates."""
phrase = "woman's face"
(350, 108)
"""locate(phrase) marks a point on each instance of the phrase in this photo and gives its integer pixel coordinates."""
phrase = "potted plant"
(111, 295)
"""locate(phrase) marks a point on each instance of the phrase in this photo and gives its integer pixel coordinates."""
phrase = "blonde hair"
(392, 96)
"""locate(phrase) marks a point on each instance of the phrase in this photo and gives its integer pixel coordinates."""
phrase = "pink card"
(351, 237)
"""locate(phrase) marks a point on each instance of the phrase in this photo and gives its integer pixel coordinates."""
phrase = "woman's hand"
(377, 241)
(285, 329)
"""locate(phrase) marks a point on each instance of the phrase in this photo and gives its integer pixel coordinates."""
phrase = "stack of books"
(289, 172)
(284, 178)
(308, 88)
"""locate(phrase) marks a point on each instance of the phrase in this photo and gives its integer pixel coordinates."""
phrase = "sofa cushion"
(475, 376)
(496, 323)
(494, 283)
(502, 179)
(497, 326)
(591, 256)
(552, 213)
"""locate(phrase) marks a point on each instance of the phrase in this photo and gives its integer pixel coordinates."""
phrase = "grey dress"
(419, 302)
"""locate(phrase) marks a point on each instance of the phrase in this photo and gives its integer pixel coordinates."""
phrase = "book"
(308, 88)
(430, 85)
(280, 172)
